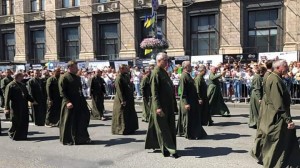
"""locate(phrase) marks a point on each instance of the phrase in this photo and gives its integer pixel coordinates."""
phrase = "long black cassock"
(97, 93)
(16, 100)
(73, 122)
(37, 92)
(53, 113)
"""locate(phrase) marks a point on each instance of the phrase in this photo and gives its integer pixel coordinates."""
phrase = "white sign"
(203, 59)
(20, 68)
(37, 67)
(98, 65)
(288, 56)
(118, 63)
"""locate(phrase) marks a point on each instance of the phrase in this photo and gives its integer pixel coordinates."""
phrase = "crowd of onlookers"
(236, 83)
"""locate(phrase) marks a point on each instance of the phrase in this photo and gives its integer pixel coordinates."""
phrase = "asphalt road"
(227, 145)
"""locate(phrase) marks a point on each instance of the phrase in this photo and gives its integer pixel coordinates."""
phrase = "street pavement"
(227, 145)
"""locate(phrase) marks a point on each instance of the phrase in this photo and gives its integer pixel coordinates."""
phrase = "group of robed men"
(38, 91)
(67, 107)
(276, 143)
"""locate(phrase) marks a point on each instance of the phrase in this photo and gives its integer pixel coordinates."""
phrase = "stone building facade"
(38, 31)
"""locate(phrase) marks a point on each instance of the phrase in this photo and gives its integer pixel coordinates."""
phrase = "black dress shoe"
(166, 153)
(175, 156)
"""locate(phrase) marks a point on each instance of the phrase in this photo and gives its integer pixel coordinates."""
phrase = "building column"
(86, 31)
(230, 27)
(127, 24)
(174, 26)
(20, 38)
(51, 33)
(292, 21)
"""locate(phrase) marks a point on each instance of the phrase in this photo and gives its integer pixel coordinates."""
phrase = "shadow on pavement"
(99, 125)
(35, 132)
(140, 132)
(118, 141)
(233, 115)
(228, 123)
(45, 138)
(205, 152)
(224, 136)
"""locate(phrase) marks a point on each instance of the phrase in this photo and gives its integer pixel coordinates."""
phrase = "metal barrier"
(235, 90)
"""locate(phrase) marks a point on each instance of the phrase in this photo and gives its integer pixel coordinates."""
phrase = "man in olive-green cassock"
(280, 147)
(217, 105)
(256, 96)
(54, 100)
(161, 132)
(37, 92)
(97, 92)
(201, 88)
(4, 82)
(146, 92)
(189, 122)
(75, 115)
(16, 102)
(258, 142)
(124, 117)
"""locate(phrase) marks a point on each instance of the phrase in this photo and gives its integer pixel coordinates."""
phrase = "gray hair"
(201, 68)
(185, 64)
(279, 63)
(160, 56)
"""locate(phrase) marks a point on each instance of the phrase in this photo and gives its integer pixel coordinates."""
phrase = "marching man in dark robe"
(54, 100)
(75, 115)
(4, 82)
(256, 96)
(124, 117)
(256, 150)
(161, 130)
(189, 121)
(146, 92)
(97, 92)
(201, 88)
(37, 92)
(16, 102)
(217, 105)
(280, 147)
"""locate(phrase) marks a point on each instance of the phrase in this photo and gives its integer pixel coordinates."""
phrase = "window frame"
(33, 58)
(67, 43)
(209, 51)
(6, 47)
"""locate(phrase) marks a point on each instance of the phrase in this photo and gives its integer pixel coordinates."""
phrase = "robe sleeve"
(2, 85)
(182, 84)
(63, 88)
(155, 84)
(198, 86)
(277, 99)
(92, 86)
(257, 85)
(31, 89)
(119, 89)
(7, 97)
(214, 77)
(143, 84)
(48, 89)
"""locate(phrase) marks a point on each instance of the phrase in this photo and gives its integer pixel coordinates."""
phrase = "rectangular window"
(76, 2)
(109, 41)
(33, 5)
(42, 5)
(71, 43)
(12, 7)
(9, 46)
(203, 35)
(65, 4)
(4, 7)
(262, 31)
(37, 46)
